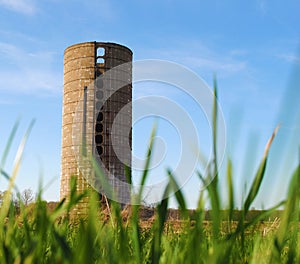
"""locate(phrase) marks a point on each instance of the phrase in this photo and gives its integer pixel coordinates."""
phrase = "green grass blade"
(291, 212)
(230, 189)
(128, 174)
(215, 126)
(63, 244)
(9, 143)
(212, 189)
(147, 164)
(7, 177)
(7, 198)
(162, 212)
(136, 203)
(215, 205)
(178, 193)
(213, 186)
(264, 215)
(259, 174)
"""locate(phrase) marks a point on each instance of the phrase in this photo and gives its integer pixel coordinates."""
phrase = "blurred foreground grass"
(36, 235)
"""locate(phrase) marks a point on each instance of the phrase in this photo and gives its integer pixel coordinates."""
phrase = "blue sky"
(252, 47)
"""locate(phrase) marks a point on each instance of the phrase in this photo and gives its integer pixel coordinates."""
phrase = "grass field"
(36, 235)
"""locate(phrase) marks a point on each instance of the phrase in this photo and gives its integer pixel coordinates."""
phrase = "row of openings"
(99, 96)
(100, 55)
(99, 129)
(99, 93)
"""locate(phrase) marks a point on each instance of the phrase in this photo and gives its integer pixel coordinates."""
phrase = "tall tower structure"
(96, 88)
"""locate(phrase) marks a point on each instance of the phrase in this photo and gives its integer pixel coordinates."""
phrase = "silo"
(96, 88)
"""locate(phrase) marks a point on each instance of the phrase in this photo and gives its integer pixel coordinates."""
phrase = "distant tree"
(27, 196)
(14, 201)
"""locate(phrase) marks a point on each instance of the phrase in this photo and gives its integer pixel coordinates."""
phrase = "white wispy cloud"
(224, 66)
(27, 7)
(203, 58)
(28, 72)
(289, 57)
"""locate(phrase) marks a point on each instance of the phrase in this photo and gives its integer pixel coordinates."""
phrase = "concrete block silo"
(92, 104)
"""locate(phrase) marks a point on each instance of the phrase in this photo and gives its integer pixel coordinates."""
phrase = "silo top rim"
(100, 44)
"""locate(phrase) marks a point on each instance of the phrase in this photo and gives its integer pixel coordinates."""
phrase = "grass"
(36, 235)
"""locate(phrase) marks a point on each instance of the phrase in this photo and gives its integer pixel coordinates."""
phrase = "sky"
(251, 47)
